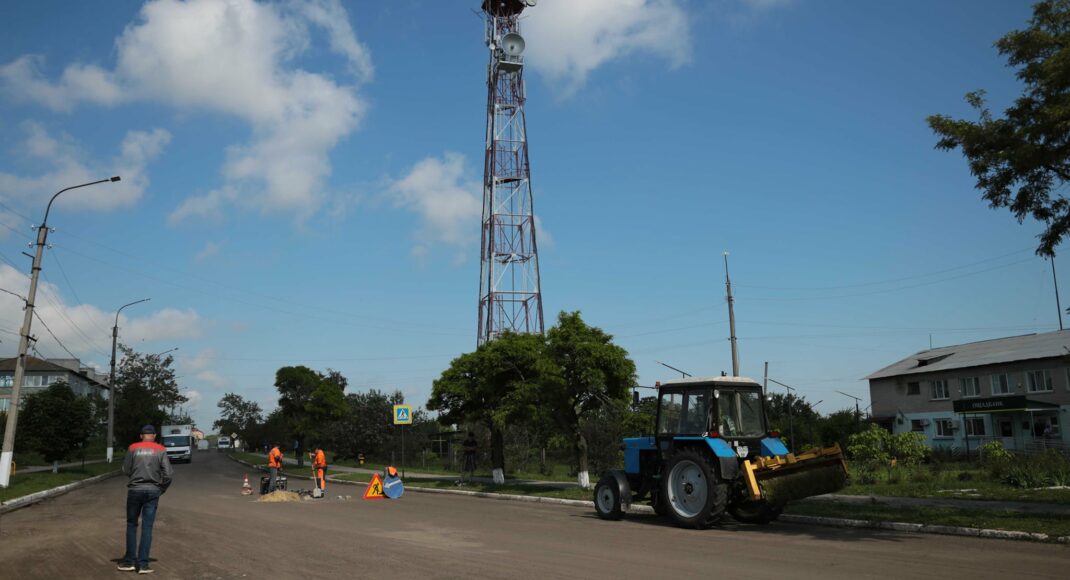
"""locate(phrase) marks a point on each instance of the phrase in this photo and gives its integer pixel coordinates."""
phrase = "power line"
(74, 292)
(56, 338)
(891, 280)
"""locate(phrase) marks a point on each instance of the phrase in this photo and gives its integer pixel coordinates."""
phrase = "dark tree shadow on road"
(827, 533)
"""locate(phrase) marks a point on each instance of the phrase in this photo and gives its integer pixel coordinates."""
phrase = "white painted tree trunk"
(585, 480)
(499, 476)
(55, 467)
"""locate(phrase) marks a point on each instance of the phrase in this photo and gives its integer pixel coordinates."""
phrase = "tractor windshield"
(740, 413)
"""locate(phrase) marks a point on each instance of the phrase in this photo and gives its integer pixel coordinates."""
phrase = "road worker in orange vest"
(274, 465)
(319, 464)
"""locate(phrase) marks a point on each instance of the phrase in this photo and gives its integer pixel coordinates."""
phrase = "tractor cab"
(726, 408)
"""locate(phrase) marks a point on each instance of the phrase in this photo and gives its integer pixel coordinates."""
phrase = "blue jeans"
(140, 502)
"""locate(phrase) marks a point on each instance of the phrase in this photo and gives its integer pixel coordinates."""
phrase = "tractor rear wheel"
(607, 499)
(754, 512)
(693, 494)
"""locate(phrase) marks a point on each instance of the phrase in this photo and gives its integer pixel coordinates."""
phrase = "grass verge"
(27, 483)
(951, 482)
(1053, 525)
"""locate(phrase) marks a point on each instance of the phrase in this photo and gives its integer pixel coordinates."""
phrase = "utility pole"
(765, 381)
(731, 319)
(8, 450)
(111, 381)
(791, 422)
(1058, 307)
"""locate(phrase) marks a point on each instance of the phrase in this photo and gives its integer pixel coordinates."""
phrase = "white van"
(178, 439)
(223, 443)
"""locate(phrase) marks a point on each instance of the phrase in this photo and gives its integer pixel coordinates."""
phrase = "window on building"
(917, 426)
(1001, 384)
(943, 428)
(939, 390)
(915, 387)
(975, 426)
(1039, 381)
(971, 387)
(1054, 425)
(9, 380)
(33, 381)
(5, 404)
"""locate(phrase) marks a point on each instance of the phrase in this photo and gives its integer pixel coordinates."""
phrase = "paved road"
(205, 529)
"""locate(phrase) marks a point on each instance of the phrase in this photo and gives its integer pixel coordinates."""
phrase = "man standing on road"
(470, 448)
(149, 470)
(274, 465)
(319, 464)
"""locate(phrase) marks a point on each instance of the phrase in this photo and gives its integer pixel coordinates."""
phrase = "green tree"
(238, 415)
(585, 374)
(838, 426)
(803, 419)
(55, 423)
(492, 387)
(154, 374)
(310, 401)
(1022, 160)
(869, 451)
(366, 427)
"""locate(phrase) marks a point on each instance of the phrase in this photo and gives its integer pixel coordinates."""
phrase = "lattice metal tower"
(509, 288)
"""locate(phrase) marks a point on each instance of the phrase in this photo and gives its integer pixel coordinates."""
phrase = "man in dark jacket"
(149, 470)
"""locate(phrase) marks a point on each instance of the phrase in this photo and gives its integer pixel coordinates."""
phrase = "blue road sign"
(403, 414)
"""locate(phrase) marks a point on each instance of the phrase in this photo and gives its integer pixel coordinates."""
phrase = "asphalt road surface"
(206, 529)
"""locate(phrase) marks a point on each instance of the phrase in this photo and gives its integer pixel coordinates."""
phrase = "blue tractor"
(712, 453)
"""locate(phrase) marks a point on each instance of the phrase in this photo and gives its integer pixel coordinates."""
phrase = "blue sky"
(299, 181)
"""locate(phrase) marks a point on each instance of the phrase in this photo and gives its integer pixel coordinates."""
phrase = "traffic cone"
(246, 489)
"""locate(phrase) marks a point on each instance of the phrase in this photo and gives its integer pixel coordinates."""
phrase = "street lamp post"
(111, 380)
(8, 451)
(791, 422)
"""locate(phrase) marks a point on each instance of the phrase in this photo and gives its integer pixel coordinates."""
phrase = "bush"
(993, 452)
(1049, 468)
(869, 452)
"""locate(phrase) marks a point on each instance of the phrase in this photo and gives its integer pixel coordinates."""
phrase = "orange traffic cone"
(246, 489)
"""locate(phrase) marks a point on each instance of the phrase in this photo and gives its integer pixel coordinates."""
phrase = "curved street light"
(24, 339)
(111, 381)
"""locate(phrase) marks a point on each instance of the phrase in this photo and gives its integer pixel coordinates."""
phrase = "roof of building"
(985, 352)
(39, 365)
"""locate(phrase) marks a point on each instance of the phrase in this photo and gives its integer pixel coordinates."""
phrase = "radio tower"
(509, 289)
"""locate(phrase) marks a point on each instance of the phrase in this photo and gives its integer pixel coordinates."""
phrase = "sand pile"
(279, 496)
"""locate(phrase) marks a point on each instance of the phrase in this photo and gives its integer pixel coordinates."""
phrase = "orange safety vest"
(321, 459)
(275, 458)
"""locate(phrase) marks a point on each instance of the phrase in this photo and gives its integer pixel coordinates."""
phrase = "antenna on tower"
(510, 291)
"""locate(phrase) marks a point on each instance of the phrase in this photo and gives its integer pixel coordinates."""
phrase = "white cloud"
(567, 40)
(203, 366)
(233, 57)
(69, 165)
(84, 328)
(448, 202)
(209, 250)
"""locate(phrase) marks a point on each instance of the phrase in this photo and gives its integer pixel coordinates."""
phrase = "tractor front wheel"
(693, 494)
(607, 499)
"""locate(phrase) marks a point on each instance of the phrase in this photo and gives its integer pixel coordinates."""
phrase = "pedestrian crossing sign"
(403, 414)
(375, 488)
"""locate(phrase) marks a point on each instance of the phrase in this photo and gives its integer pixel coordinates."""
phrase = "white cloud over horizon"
(231, 57)
(447, 199)
(85, 329)
(67, 163)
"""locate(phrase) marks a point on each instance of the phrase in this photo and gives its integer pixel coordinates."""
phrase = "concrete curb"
(28, 500)
(789, 518)
(923, 528)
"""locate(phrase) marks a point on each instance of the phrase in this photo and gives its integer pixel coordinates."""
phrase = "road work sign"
(375, 488)
(403, 414)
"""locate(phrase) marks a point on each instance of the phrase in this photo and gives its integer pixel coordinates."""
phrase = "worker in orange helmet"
(319, 463)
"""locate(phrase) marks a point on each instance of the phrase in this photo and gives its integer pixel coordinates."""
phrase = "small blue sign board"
(403, 414)
(392, 487)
